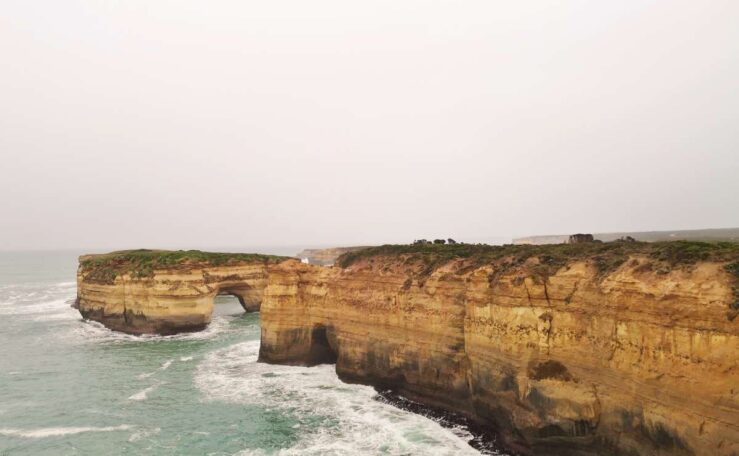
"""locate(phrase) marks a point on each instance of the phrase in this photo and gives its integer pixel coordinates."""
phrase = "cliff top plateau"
(142, 263)
(606, 255)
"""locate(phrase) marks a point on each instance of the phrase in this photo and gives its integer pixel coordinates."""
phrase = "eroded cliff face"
(641, 360)
(172, 300)
(581, 357)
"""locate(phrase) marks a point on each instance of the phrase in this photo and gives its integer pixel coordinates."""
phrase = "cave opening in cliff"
(322, 346)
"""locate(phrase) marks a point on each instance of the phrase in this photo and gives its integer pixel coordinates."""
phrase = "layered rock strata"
(635, 358)
(639, 361)
(166, 299)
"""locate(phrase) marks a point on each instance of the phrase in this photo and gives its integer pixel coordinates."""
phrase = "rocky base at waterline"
(586, 349)
(484, 438)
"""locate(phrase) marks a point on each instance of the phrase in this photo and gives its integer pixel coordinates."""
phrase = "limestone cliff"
(586, 349)
(629, 353)
(163, 292)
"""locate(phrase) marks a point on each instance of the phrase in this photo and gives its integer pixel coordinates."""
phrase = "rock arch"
(248, 296)
(171, 300)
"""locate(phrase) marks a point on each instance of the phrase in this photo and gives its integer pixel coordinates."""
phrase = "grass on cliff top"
(606, 255)
(142, 263)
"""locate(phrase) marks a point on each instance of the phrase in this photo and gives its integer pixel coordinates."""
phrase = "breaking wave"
(94, 332)
(143, 394)
(59, 431)
(351, 420)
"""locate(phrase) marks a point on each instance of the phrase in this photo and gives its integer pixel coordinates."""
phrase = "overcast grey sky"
(151, 123)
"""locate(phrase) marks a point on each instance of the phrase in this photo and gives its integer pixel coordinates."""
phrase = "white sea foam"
(143, 433)
(166, 364)
(44, 307)
(143, 394)
(186, 358)
(40, 302)
(68, 314)
(352, 422)
(58, 431)
(92, 332)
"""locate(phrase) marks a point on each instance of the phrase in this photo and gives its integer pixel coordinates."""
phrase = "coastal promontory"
(619, 348)
(166, 292)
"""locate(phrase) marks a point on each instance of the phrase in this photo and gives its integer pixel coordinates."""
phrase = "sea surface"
(73, 387)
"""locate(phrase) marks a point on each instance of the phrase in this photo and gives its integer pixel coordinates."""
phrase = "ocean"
(73, 387)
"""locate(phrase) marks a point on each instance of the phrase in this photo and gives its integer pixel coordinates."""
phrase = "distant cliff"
(713, 235)
(583, 349)
(325, 257)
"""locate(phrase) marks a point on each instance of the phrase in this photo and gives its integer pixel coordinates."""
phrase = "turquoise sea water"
(71, 387)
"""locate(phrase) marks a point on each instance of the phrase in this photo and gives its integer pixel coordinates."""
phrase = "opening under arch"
(227, 304)
(249, 297)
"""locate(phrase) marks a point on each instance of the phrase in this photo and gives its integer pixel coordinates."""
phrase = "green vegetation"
(606, 256)
(733, 268)
(687, 252)
(142, 263)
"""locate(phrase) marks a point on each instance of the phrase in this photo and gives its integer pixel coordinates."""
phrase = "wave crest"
(59, 431)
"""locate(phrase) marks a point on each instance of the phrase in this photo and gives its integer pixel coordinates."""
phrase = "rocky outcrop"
(631, 352)
(137, 296)
(580, 237)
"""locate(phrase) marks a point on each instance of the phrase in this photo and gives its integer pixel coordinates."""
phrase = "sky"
(179, 124)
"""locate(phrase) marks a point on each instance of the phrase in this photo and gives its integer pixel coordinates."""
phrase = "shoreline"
(484, 439)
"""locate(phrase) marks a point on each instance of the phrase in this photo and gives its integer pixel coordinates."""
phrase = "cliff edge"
(582, 349)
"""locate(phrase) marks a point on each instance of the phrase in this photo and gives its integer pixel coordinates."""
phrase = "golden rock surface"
(639, 361)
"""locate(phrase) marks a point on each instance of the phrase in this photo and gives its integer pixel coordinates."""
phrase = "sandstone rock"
(137, 296)
(636, 357)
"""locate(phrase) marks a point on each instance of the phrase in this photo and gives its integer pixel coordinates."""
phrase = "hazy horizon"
(189, 124)
(291, 249)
